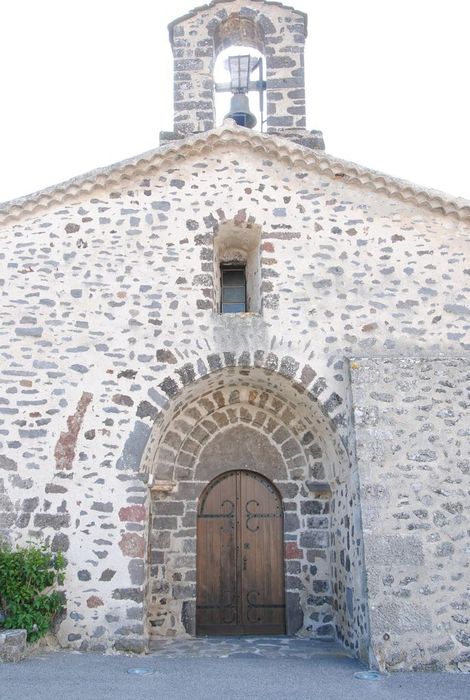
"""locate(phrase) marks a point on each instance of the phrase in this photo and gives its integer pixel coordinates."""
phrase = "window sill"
(238, 314)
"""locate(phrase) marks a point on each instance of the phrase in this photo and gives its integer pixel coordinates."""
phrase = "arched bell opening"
(240, 72)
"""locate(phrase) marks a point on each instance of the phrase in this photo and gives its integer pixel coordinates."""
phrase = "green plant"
(26, 574)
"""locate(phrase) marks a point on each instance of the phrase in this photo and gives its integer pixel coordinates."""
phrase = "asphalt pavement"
(54, 675)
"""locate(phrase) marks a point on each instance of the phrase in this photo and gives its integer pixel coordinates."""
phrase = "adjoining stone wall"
(278, 32)
(412, 419)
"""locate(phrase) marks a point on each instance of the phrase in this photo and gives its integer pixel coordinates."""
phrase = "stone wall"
(109, 322)
(412, 421)
(12, 645)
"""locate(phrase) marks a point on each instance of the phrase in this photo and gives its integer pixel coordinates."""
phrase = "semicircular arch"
(293, 394)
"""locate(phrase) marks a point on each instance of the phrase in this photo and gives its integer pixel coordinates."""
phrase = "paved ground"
(208, 669)
(246, 647)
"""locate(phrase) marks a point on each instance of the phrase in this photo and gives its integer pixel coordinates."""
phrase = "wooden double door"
(240, 564)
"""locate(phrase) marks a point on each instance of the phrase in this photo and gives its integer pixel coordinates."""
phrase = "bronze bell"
(240, 111)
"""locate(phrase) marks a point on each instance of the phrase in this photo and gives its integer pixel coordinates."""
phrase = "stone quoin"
(344, 382)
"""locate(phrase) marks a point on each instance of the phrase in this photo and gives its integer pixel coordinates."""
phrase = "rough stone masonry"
(125, 390)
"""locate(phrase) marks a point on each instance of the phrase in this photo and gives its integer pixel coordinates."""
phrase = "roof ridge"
(273, 145)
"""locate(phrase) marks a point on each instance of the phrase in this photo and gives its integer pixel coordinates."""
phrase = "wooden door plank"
(216, 601)
(262, 569)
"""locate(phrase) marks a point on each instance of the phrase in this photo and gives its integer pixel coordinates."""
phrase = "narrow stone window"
(237, 268)
(233, 288)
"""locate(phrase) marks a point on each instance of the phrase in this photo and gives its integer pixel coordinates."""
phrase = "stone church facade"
(344, 384)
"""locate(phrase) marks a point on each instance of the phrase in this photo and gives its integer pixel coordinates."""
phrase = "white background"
(86, 83)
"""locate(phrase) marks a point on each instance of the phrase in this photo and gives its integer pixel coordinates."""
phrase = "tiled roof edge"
(271, 146)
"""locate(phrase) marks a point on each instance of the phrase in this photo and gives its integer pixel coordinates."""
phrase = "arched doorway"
(240, 565)
(251, 417)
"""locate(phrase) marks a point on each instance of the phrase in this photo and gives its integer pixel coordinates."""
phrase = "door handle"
(245, 559)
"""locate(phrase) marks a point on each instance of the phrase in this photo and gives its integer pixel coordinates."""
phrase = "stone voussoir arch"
(192, 381)
(280, 436)
(216, 409)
